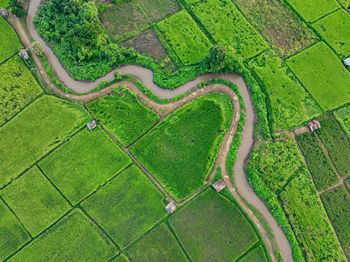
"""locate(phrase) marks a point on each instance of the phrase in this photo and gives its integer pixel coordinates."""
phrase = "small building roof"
(23, 53)
(347, 61)
(92, 125)
(314, 125)
(170, 207)
(219, 185)
(4, 12)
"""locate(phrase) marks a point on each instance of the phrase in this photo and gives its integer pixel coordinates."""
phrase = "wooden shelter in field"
(219, 185)
(23, 53)
(314, 125)
(170, 208)
(4, 12)
(92, 125)
(346, 62)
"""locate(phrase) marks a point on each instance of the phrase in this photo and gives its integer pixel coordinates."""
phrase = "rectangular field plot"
(158, 245)
(323, 75)
(159, 9)
(320, 167)
(212, 228)
(12, 233)
(185, 37)
(74, 238)
(126, 207)
(289, 103)
(38, 129)
(121, 258)
(335, 30)
(35, 201)
(337, 145)
(84, 163)
(343, 117)
(257, 255)
(337, 205)
(4, 3)
(18, 88)
(123, 115)
(10, 43)
(309, 220)
(228, 27)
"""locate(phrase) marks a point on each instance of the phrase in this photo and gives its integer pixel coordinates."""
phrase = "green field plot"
(283, 29)
(10, 44)
(158, 245)
(309, 220)
(123, 20)
(35, 201)
(127, 207)
(181, 150)
(84, 163)
(335, 30)
(257, 255)
(343, 117)
(211, 228)
(323, 75)
(337, 145)
(319, 165)
(121, 258)
(344, 3)
(74, 238)
(185, 37)
(4, 3)
(12, 233)
(123, 115)
(18, 88)
(38, 129)
(290, 104)
(158, 9)
(228, 27)
(313, 9)
(337, 205)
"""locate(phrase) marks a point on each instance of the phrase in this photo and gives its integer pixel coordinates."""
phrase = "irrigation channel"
(146, 76)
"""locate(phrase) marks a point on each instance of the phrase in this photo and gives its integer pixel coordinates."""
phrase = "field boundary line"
(172, 231)
(249, 250)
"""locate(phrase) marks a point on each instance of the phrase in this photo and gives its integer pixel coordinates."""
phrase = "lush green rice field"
(127, 207)
(211, 228)
(290, 105)
(121, 258)
(345, 3)
(158, 9)
(257, 255)
(323, 75)
(319, 165)
(123, 115)
(4, 3)
(18, 88)
(185, 37)
(12, 233)
(10, 44)
(84, 163)
(181, 150)
(343, 117)
(158, 245)
(228, 27)
(34, 132)
(74, 238)
(335, 30)
(35, 201)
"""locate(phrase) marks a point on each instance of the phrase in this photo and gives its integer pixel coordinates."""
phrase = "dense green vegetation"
(344, 3)
(211, 228)
(35, 201)
(34, 132)
(18, 88)
(337, 205)
(319, 165)
(121, 258)
(257, 255)
(127, 207)
(158, 245)
(158, 9)
(313, 67)
(347, 184)
(10, 44)
(337, 144)
(343, 117)
(181, 151)
(4, 3)
(123, 115)
(73, 238)
(289, 104)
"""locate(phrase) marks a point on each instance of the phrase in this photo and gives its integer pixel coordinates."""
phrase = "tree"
(37, 47)
(16, 7)
(217, 58)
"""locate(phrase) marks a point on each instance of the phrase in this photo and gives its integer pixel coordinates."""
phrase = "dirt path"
(146, 76)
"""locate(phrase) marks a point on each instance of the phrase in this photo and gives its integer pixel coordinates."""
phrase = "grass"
(335, 30)
(320, 167)
(228, 27)
(313, 9)
(343, 117)
(12, 233)
(337, 145)
(337, 205)
(18, 88)
(320, 71)
(10, 43)
(73, 238)
(123, 115)
(127, 207)
(286, 32)
(211, 228)
(290, 105)
(159, 245)
(180, 152)
(35, 201)
(185, 37)
(84, 163)
(37, 130)
(159, 9)
(257, 255)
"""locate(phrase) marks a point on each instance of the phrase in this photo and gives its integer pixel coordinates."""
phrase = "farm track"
(146, 76)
